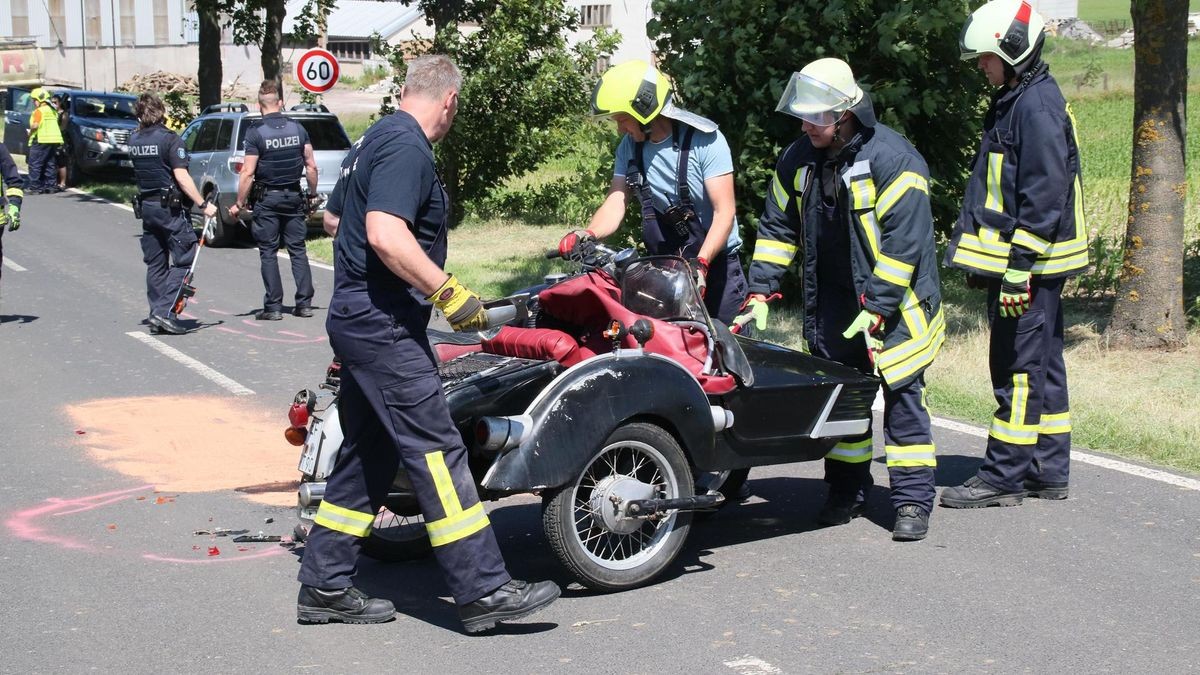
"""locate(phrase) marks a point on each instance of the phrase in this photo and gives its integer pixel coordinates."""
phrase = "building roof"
(359, 19)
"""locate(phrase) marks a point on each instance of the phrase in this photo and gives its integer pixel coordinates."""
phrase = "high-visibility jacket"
(48, 130)
(1023, 207)
(884, 201)
(11, 183)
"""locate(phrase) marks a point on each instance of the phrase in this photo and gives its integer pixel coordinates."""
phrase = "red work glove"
(572, 240)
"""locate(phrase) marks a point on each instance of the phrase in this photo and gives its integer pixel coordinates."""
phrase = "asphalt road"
(115, 453)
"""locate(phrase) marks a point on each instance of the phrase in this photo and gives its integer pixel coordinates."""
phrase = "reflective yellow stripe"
(863, 193)
(776, 252)
(912, 355)
(353, 523)
(893, 192)
(1017, 434)
(447, 495)
(778, 192)
(910, 455)
(851, 452)
(995, 194)
(1074, 262)
(14, 192)
(892, 270)
(452, 528)
(1057, 423)
(871, 229)
(1030, 241)
(801, 179)
(1020, 397)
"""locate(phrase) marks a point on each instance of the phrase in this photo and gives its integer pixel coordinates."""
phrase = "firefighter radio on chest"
(678, 218)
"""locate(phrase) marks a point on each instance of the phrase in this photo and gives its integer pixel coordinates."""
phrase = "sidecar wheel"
(604, 550)
(397, 538)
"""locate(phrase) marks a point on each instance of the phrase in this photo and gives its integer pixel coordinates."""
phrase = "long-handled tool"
(186, 290)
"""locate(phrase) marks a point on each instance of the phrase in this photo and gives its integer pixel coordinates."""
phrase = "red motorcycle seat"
(545, 344)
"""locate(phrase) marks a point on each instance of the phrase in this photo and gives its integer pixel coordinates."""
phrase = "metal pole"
(83, 42)
(112, 22)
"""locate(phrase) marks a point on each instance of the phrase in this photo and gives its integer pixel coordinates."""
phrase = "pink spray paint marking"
(24, 525)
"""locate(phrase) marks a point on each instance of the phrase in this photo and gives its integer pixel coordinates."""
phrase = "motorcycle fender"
(576, 412)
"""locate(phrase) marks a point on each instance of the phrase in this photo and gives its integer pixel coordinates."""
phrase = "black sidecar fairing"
(797, 409)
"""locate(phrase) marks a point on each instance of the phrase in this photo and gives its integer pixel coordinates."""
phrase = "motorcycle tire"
(397, 538)
(605, 552)
(729, 488)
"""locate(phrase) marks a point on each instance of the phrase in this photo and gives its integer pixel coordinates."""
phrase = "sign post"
(317, 70)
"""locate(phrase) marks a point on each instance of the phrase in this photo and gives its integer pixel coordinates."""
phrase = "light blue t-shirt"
(708, 157)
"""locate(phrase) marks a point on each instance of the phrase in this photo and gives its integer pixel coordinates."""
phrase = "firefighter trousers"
(1030, 435)
(907, 440)
(394, 414)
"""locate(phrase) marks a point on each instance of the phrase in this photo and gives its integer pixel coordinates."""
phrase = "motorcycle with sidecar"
(612, 395)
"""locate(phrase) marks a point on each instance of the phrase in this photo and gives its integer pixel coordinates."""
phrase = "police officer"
(678, 166)
(165, 193)
(1021, 234)
(11, 194)
(45, 138)
(392, 213)
(277, 152)
(854, 196)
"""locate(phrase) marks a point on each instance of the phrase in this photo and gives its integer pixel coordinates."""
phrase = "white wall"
(240, 64)
(629, 18)
(1057, 9)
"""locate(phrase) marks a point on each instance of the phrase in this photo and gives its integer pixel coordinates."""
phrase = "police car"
(216, 141)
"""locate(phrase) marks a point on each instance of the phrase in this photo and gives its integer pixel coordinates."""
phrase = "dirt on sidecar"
(609, 394)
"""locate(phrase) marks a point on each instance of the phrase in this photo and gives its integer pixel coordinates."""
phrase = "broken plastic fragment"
(112, 526)
(213, 550)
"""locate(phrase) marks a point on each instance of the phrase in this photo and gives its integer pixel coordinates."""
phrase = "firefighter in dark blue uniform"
(1021, 234)
(854, 196)
(165, 193)
(277, 152)
(389, 250)
(12, 192)
(679, 167)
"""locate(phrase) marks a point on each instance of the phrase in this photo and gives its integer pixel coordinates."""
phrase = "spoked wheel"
(585, 522)
(396, 537)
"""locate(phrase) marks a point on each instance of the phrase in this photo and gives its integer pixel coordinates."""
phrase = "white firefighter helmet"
(1010, 29)
(822, 91)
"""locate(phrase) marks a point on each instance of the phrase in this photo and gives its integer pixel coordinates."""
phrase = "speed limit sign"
(317, 70)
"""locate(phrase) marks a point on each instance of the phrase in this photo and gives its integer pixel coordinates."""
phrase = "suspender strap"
(681, 175)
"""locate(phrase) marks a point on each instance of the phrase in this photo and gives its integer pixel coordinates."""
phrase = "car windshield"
(662, 287)
(324, 133)
(104, 107)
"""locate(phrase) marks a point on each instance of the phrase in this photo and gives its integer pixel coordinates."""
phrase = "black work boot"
(976, 493)
(1037, 488)
(161, 324)
(348, 605)
(514, 600)
(268, 315)
(840, 508)
(912, 523)
(303, 311)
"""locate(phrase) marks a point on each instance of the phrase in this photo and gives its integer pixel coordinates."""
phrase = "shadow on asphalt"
(955, 469)
(18, 318)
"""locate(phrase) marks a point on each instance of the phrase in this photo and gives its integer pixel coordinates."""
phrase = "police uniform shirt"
(390, 169)
(279, 143)
(156, 152)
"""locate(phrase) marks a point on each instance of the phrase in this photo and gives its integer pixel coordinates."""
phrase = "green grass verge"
(1114, 10)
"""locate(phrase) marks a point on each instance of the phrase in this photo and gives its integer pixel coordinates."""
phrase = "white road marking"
(110, 202)
(311, 262)
(13, 266)
(750, 665)
(192, 364)
(1088, 458)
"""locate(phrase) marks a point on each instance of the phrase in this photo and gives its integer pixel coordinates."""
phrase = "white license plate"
(126, 163)
(312, 448)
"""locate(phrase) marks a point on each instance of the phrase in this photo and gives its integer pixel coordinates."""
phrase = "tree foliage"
(524, 88)
(254, 22)
(731, 59)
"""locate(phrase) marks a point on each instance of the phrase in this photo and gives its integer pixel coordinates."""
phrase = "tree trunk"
(208, 71)
(1149, 309)
(272, 44)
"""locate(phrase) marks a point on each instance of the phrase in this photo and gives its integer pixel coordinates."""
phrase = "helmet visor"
(813, 101)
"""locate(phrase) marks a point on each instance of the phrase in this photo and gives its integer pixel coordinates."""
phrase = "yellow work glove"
(461, 305)
(1015, 293)
(754, 309)
(866, 323)
(13, 216)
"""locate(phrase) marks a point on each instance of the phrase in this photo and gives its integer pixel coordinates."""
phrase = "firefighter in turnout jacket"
(1021, 234)
(853, 196)
(11, 194)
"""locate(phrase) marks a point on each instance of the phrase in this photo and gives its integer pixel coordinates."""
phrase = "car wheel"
(596, 542)
(222, 233)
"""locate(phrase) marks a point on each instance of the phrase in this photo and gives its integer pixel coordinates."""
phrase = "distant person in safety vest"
(278, 154)
(45, 138)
